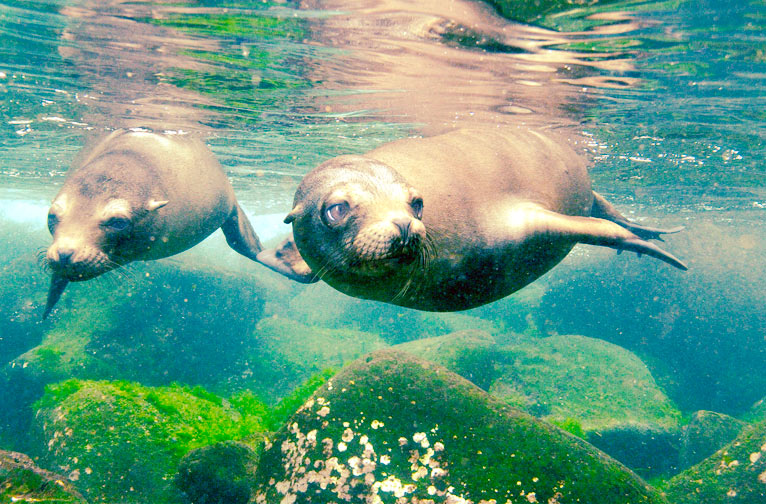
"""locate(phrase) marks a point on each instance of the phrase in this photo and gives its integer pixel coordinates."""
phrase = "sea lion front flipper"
(58, 284)
(602, 209)
(240, 235)
(590, 230)
(286, 260)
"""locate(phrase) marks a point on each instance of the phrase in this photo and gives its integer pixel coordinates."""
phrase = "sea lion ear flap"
(296, 212)
(286, 260)
(154, 204)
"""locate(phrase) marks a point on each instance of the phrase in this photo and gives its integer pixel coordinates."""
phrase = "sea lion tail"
(58, 284)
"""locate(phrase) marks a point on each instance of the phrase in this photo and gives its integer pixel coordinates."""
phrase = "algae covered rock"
(734, 474)
(707, 349)
(394, 428)
(122, 441)
(22, 481)
(707, 432)
(596, 383)
(392, 323)
(596, 390)
(285, 353)
(218, 474)
(470, 353)
(171, 324)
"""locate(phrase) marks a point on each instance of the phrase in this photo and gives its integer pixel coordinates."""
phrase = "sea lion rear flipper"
(602, 209)
(286, 260)
(240, 235)
(58, 284)
(593, 231)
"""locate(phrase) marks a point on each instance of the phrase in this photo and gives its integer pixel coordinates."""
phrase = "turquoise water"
(667, 99)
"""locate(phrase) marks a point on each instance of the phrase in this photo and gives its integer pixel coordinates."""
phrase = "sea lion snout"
(393, 237)
(76, 262)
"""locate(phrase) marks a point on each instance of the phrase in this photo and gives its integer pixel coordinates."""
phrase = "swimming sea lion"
(139, 196)
(449, 222)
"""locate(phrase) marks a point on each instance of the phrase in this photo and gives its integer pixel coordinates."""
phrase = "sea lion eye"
(53, 220)
(335, 213)
(117, 224)
(417, 208)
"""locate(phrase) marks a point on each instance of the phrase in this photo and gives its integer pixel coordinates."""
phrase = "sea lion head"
(96, 223)
(354, 216)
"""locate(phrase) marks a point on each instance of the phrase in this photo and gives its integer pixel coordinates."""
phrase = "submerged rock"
(285, 353)
(591, 388)
(734, 474)
(596, 383)
(172, 324)
(471, 354)
(701, 331)
(22, 481)
(122, 442)
(218, 474)
(394, 428)
(650, 450)
(706, 434)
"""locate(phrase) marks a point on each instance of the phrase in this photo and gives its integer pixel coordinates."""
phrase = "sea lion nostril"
(65, 256)
(404, 225)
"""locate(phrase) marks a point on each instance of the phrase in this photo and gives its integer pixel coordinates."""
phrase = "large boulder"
(394, 428)
(121, 441)
(589, 387)
(471, 353)
(285, 353)
(734, 474)
(698, 330)
(173, 324)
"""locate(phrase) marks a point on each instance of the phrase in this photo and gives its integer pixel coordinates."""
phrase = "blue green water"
(670, 97)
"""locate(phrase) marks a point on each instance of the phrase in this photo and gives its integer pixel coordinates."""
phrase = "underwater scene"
(529, 268)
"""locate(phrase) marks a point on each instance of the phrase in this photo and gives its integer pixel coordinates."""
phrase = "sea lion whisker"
(42, 260)
(403, 290)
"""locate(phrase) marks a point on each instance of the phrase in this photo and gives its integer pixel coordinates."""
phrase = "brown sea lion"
(138, 196)
(449, 222)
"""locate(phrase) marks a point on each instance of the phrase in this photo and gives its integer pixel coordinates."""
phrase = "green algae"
(469, 353)
(598, 383)
(252, 26)
(393, 428)
(118, 439)
(285, 353)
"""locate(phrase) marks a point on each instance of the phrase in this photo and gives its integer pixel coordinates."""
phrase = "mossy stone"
(173, 323)
(707, 351)
(599, 384)
(122, 441)
(22, 481)
(394, 428)
(734, 474)
(393, 324)
(707, 432)
(469, 353)
(285, 353)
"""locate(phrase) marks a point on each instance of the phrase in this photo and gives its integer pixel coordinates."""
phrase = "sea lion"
(449, 222)
(136, 196)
